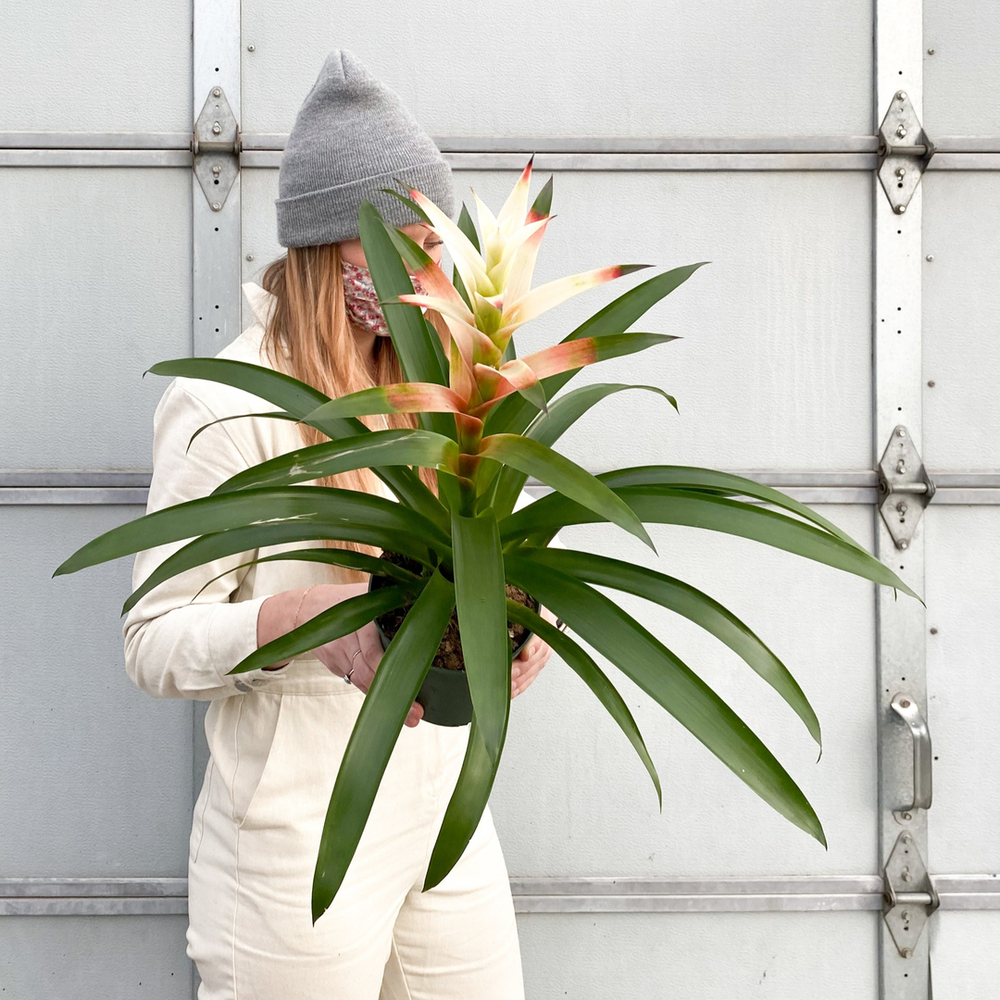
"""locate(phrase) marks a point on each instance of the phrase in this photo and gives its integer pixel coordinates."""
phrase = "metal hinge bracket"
(904, 151)
(216, 145)
(909, 896)
(904, 487)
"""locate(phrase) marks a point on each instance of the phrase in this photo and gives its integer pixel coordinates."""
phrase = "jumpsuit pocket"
(256, 735)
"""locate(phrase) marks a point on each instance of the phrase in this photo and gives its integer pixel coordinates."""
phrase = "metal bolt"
(901, 466)
(249, 256)
(907, 817)
(901, 432)
(216, 206)
(251, 47)
(216, 169)
(900, 209)
(216, 129)
(902, 544)
(932, 383)
(905, 875)
(905, 703)
(929, 257)
(930, 52)
(217, 92)
(901, 506)
(901, 95)
(933, 630)
(905, 915)
(907, 953)
(901, 131)
(900, 172)
(907, 839)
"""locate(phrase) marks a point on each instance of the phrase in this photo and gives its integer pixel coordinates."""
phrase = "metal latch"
(909, 897)
(216, 145)
(904, 151)
(904, 487)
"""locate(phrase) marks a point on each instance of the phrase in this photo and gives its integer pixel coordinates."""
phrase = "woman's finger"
(524, 672)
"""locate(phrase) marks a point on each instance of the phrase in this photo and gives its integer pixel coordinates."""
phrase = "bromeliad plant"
(487, 421)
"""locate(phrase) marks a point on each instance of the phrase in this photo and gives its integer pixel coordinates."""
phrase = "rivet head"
(901, 95)
(216, 169)
(930, 52)
(907, 953)
(933, 630)
(907, 817)
(903, 543)
(901, 466)
(900, 209)
(251, 47)
(216, 129)
(900, 172)
(906, 875)
(901, 131)
(929, 257)
(901, 506)
(901, 432)
(217, 92)
(905, 703)
(216, 206)
(249, 256)
(906, 915)
(932, 383)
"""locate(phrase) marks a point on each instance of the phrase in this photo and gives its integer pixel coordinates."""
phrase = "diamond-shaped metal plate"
(906, 874)
(215, 143)
(899, 468)
(900, 172)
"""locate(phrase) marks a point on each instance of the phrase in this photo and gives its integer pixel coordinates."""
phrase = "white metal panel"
(774, 369)
(111, 66)
(961, 322)
(587, 69)
(97, 775)
(95, 286)
(823, 956)
(111, 958)
(964, 955)
(963, 657)
(572, 798)
(964, 69)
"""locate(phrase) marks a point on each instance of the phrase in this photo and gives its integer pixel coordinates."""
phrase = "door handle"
(907, 709)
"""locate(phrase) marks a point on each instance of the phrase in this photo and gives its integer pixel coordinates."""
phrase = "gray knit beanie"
(351, 137)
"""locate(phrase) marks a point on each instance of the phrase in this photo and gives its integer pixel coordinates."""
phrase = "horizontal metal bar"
(95, 140)
(96, 158)
(70, 496)
(33, 478)
(629, 161)
(110, 897)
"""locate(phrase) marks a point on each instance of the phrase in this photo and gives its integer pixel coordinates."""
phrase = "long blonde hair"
(308, 337)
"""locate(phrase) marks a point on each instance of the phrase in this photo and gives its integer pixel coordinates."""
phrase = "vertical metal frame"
(897, 381)
(216, 315)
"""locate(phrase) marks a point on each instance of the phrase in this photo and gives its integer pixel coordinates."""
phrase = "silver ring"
(347, 676)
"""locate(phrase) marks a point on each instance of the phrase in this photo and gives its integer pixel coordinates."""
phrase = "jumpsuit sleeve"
(178, 645)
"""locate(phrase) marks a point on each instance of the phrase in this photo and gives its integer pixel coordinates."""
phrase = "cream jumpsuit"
(276, 741)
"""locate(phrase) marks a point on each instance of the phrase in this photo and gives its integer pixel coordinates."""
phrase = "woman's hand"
(529, 662)
(358, 653)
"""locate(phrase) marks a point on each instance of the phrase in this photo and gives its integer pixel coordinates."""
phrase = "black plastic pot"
(444, 694)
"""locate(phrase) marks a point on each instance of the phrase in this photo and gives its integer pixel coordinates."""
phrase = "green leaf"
(468, 227)
(549, 427)
(536, 459)
(465, 807)
(409, 203)
(347, 558)
(542, 204)
(337, 621)
(670, 682)
(408, 446)
(319, 505)
(276, 414)
(300, 399)
(418, 346)
(667, 505)
(690, 477)
(481, 599)
(514, 413)
(220, 544)
(397, 681)
(694, 605)
(583, 665)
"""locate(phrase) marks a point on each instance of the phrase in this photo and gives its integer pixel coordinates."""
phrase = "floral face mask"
(361, 298)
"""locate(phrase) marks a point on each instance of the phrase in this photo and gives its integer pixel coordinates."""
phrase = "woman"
(277, 735)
